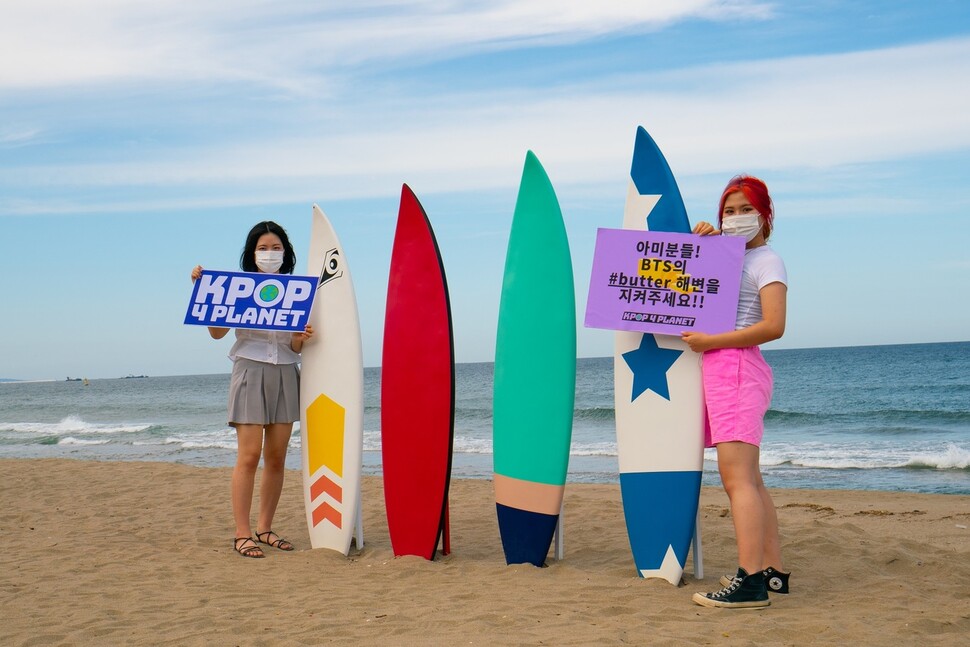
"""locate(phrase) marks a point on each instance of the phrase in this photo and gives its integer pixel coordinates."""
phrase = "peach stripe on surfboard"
(528, 495)
(326, 512)
(324, 485)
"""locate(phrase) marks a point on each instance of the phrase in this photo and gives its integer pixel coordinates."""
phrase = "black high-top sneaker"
(726, 580)
(776, 581)
(744, 592)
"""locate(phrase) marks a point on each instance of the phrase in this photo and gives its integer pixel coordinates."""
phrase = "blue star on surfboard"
(650, 364)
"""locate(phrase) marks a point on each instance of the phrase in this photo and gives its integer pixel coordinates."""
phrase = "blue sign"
(251, 300)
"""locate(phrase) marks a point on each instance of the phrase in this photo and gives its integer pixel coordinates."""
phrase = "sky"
(138, 139)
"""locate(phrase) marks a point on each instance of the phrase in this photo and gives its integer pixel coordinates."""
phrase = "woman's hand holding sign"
(705, 229)
(300, 338)
(698, 341)
(214, 331)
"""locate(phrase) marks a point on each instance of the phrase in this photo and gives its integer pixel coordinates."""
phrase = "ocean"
(864, 418)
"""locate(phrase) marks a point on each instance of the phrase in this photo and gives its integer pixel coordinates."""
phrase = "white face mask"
(269, 261)
(746, 224)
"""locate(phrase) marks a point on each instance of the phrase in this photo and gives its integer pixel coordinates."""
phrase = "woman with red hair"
(737, 393)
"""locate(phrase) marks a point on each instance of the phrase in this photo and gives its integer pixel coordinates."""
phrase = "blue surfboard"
(658, 399)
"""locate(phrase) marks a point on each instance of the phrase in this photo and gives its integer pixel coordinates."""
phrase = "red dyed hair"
(756, 192)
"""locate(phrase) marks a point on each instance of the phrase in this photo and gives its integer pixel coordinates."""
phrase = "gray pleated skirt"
(263, 394)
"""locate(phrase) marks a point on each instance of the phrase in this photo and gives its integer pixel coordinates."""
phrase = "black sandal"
(280, 543)
(253, 550)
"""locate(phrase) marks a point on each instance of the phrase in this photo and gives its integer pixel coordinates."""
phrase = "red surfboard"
(417, 388)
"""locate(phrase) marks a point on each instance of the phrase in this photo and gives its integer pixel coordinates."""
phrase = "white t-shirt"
(762, 266)
(270, 346)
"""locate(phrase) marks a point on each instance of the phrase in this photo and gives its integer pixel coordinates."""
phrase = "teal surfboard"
(535, 372)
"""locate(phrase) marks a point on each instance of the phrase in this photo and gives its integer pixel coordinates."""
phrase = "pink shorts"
(737, 392)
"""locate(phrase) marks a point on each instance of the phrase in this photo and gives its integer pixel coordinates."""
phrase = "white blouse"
(270, 346)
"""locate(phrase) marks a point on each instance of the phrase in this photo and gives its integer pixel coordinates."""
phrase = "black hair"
(248, 259)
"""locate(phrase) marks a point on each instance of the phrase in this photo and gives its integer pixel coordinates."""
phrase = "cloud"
(438, 29)
(810, 112)
(57, 43)
(11, 137)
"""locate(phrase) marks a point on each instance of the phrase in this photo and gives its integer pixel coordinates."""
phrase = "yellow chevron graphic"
(324, 435)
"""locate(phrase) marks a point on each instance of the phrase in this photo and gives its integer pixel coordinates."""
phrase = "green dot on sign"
(269, 292)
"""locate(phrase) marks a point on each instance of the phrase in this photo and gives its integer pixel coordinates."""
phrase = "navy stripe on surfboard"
(661, 511)
(652, 176)
(526, 536)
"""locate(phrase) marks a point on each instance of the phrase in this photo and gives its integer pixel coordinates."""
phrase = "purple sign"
(662, 282)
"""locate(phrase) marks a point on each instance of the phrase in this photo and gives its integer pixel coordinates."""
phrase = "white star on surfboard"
(638, 207)
(670, 570)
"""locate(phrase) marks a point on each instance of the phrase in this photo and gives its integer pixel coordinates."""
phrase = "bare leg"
(738, 465)
(250, 439)
(772, 542)
(271, 485)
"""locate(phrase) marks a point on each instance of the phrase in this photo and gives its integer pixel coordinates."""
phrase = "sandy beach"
(140, 554)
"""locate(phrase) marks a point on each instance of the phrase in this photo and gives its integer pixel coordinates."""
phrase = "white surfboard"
(332, 397)
(658, 400)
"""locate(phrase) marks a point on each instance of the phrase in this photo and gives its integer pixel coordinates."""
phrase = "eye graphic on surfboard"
(332, 267)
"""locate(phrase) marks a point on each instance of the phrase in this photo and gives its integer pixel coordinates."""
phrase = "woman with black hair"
(264, 398)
